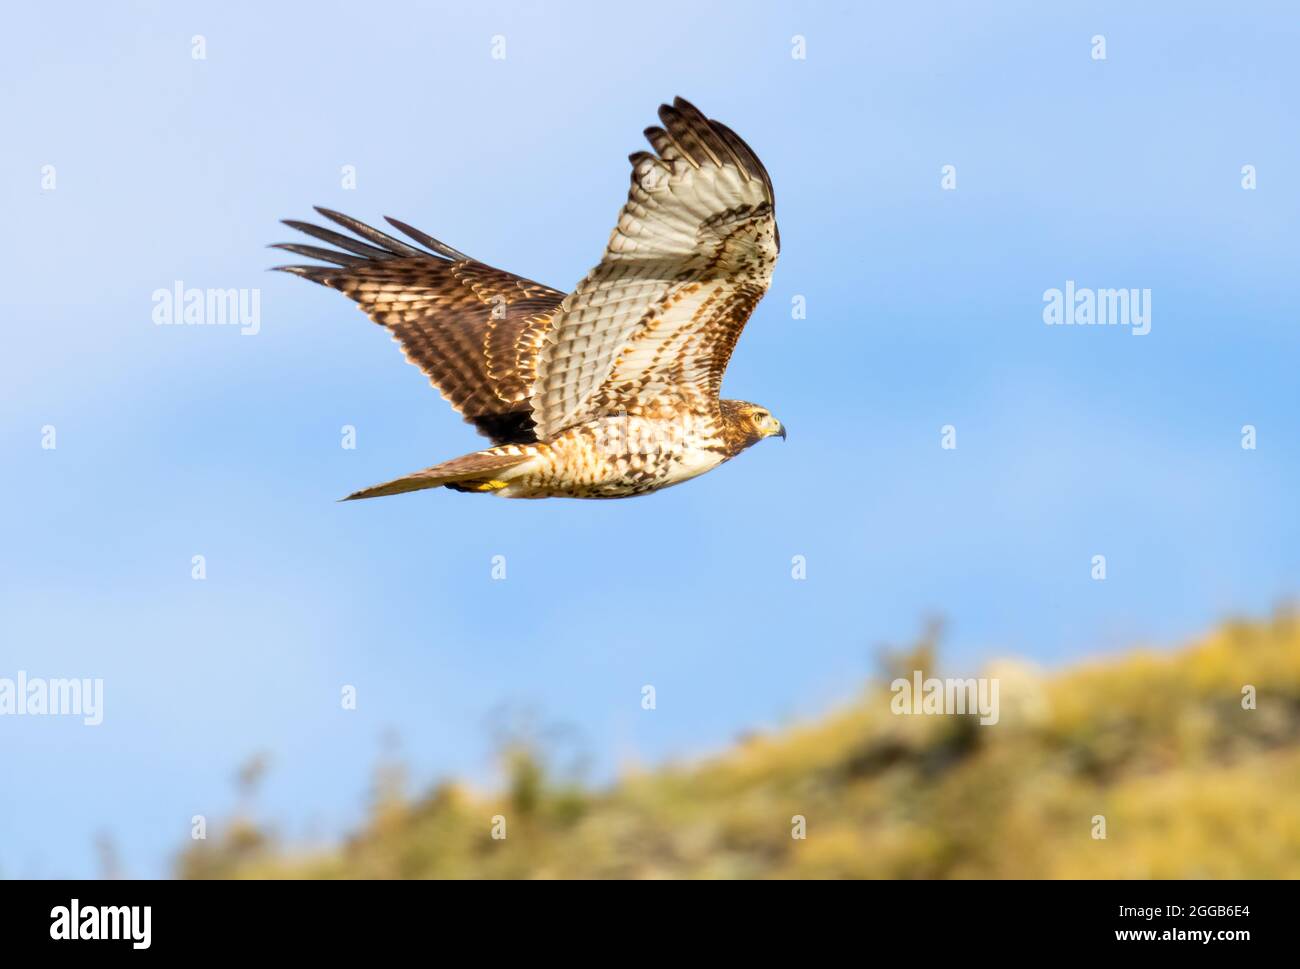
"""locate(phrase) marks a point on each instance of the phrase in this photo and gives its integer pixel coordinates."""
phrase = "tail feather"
(471, 472)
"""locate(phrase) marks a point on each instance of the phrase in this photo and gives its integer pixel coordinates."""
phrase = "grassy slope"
(1190, 785)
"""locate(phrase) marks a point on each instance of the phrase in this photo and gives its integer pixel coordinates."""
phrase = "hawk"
(612, 390)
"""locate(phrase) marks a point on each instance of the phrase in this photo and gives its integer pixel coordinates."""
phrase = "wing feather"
(474, 330)
(691, 255)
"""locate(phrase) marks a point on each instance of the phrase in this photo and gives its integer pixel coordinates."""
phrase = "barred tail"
(478, 471)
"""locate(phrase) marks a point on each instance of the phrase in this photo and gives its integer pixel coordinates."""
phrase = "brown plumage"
(613, 389)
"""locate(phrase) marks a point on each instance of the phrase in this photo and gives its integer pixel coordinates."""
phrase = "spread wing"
(475, 331)
(691, 256)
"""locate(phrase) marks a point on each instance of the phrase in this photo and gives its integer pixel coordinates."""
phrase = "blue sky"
(923, 309)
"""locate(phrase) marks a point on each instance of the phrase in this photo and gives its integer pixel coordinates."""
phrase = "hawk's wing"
(691, 256)
(474, 330)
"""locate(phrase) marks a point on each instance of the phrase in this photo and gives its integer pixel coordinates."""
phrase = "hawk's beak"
(781, 432)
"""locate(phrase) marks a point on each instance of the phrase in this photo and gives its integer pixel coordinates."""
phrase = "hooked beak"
(781, 432)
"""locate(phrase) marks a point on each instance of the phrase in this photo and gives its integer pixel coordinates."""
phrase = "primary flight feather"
(609, 391)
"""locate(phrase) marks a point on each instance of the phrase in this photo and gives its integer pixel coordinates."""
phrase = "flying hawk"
(609, 391)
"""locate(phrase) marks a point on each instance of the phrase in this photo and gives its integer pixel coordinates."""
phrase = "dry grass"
(1190, 785)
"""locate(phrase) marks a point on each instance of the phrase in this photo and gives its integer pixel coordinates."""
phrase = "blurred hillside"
(1190, 783)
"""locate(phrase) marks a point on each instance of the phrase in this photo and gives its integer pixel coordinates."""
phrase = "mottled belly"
(615, 458)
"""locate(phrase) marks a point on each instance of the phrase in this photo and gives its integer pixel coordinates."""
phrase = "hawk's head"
(747, 423)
